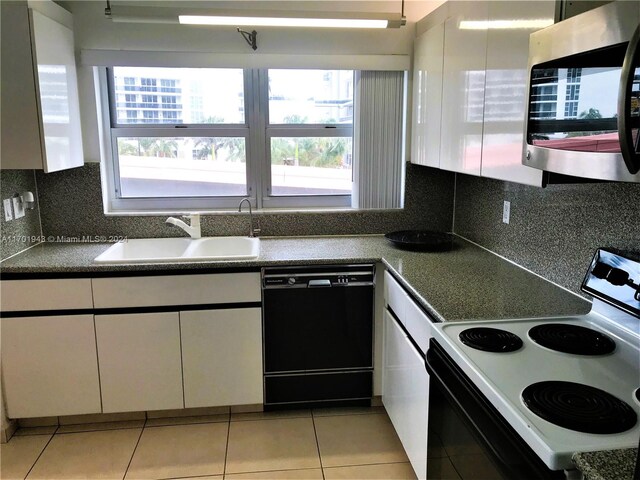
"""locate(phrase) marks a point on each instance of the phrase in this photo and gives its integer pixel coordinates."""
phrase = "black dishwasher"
(318, 335)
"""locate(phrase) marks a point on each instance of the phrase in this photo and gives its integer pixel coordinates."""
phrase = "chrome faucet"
(251, 229)
(193, 229)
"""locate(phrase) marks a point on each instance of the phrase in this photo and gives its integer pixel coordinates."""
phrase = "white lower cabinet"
(140, 361)
(49, 366)
(405, 393)
(222, 357)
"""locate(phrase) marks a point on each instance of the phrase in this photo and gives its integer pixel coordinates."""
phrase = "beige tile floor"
(320, 444)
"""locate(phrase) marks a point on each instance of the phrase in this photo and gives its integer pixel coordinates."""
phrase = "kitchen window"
(203, 138)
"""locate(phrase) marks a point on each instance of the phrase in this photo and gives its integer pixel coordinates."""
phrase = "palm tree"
(209, 147)
(164, 147)
(127, 148)
(591, 113)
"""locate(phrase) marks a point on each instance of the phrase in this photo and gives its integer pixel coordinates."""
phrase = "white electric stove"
(533, 386)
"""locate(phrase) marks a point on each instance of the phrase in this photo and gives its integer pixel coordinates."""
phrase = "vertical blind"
(378, 139)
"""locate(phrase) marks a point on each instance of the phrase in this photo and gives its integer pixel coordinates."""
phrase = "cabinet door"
(222, 357)
(57, 85)
(506, 90)
(392, 375)
(406, 394)
(49, 366)
(21, 148)
(140, 361)
(40, 108)
(428, 59)
(465, 49)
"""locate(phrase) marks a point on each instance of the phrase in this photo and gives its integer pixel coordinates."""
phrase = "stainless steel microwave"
(583, 109)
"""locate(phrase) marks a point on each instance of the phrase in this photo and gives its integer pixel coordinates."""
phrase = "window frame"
(256, 131)
(299, 131)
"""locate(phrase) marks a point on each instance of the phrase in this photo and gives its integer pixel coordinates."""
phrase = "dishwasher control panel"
(318, 276)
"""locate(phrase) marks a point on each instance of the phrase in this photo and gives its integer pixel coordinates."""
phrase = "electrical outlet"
(18, 207)
(506, 212)
(8, 212)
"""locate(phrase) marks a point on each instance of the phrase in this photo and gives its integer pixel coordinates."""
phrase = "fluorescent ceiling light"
(282, 22)
(505, 24)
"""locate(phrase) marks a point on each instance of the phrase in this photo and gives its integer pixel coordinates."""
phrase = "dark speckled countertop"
(465, 283)
(609, 465)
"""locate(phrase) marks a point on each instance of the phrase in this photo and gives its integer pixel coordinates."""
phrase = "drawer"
(176, 290)
(51, 294)
(418, 324)
(410, 315)
(395, 296)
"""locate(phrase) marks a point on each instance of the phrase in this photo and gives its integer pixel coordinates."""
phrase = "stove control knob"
(291, 281)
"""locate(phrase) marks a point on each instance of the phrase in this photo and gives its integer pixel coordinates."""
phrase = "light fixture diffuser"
(505, 24)
(282, 22)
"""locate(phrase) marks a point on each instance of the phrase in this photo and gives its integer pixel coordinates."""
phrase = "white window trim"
(257, 134)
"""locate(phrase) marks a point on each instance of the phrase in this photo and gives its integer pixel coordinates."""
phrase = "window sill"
(234, 211)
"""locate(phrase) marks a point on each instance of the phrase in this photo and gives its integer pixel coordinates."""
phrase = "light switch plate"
(8, 212)
(506, 212)
(18, 207)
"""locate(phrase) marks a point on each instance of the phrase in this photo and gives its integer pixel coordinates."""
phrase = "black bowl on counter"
(421, 240)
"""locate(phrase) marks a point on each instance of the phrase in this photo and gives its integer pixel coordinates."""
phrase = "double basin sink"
(171, 250)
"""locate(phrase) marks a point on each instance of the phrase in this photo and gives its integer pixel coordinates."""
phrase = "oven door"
(476, 438)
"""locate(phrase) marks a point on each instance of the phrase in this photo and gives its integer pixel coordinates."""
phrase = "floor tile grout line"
(183, 424)
(134, 449)
(45, 447)
(99, 430)
(226, 449)
(366, 464)
(315, 434)
(294, 469)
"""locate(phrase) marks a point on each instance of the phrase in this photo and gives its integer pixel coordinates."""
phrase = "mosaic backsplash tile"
(71, 205)
(553, 231)
(20, 233)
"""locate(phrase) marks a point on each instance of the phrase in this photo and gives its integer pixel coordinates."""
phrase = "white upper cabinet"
(427, 96)
(506, 90)
(40, 109)
(465, 49)
(478, 120)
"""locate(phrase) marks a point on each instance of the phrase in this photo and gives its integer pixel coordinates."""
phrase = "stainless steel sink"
(170, 250)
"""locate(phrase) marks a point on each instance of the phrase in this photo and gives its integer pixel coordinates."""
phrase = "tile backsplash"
(18, 234)
(71, 205)
(553, 231)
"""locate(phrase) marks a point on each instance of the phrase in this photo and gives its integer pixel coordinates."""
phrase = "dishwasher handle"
(319, 283)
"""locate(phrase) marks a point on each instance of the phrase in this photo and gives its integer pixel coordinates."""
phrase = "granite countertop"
(463, 284)
(608, 465)
(466, 283)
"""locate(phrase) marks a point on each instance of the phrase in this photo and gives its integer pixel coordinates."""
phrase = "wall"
(553, 231)
(20, 233)
(71, 205)
(93, 31)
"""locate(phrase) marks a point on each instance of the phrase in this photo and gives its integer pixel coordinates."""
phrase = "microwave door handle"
(630, 149)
